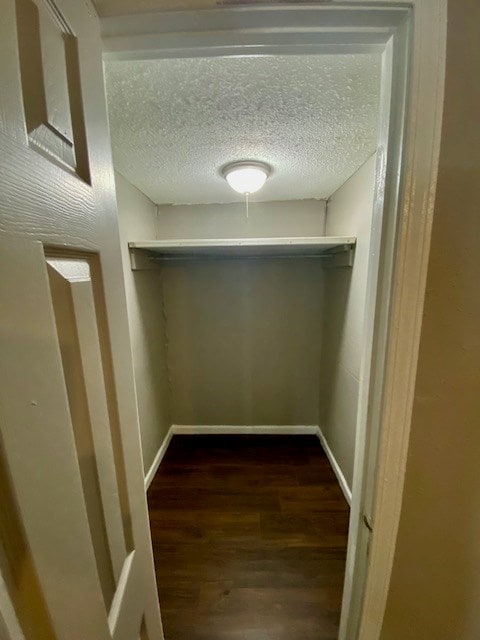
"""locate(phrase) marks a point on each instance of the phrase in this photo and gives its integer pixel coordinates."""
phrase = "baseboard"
(187, 429)
(347, 492)
(158, 458)
(301, 429)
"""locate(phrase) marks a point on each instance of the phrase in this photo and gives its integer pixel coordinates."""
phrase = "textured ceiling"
(174, 123)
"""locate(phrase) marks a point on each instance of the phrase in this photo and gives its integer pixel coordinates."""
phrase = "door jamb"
(412, 37)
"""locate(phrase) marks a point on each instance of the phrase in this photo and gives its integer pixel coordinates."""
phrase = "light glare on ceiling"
(246, 177)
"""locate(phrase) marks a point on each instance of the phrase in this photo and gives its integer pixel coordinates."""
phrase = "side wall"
(137, 216)
(244, 335)
(349, 212)
(435, 585)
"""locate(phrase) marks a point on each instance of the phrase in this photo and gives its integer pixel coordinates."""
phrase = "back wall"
(244, 341)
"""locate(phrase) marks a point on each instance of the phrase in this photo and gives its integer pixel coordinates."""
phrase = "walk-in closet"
(247, 310)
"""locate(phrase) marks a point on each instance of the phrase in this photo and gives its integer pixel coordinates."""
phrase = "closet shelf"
(336, 251)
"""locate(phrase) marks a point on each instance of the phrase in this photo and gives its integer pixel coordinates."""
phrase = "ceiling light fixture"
(246, 177)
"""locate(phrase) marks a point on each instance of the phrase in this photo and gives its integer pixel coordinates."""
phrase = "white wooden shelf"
(335, 250)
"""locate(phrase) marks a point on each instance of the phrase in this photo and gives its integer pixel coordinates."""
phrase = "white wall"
(266, 219)
(349, 212)
(137, 217)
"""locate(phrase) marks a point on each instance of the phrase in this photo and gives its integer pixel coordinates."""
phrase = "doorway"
(253, 318)
(70, 244)
(393, 66)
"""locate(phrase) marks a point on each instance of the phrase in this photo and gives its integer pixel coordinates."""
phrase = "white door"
(75, 551)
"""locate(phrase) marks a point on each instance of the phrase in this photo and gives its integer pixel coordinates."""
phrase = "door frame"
(412, 38)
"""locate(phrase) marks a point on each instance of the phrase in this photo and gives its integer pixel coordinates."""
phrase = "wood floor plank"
(326, 530)
(312, 499)
(249, 536)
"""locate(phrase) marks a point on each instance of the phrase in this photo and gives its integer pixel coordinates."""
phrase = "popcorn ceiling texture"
(175, 123)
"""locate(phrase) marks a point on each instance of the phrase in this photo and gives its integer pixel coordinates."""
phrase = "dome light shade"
(246, 177)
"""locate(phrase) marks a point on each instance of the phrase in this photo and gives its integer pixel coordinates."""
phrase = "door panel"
(39, 445)
(75, 316)
(75, 551)
(18, 579)
(50, 82)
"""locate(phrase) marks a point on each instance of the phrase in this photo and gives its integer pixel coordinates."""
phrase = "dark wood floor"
(249, 536)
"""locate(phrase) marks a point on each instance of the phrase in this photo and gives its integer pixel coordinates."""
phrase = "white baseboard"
(187, 429)
(347, 492)
(301, 429)
(158, 458)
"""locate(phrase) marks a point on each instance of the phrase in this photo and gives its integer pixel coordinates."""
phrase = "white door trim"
(412, 37)
(416, 199)
(250, 30)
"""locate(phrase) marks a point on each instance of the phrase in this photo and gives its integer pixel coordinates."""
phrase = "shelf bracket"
(340, 257)
(142, 260)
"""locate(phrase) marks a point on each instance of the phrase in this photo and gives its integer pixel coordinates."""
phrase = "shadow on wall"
(151, 370)
(137, 216)
(349, 212)
(337, 292)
